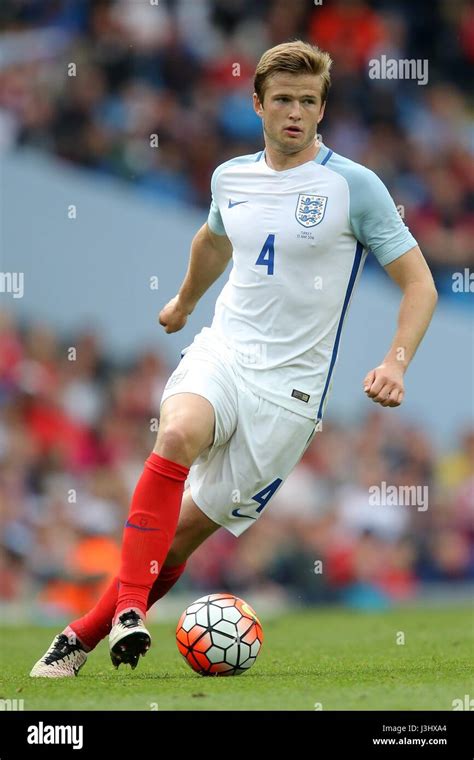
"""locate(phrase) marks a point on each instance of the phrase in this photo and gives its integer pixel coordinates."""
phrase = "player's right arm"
(210, 254)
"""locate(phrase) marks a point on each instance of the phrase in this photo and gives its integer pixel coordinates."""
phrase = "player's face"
(291, 111)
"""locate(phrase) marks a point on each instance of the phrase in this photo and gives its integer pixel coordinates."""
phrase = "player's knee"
(175, 442)
(180, 442)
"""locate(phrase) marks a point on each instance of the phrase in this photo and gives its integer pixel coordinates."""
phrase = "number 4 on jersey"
(267, 254)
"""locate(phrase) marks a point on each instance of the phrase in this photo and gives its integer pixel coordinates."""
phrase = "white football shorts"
(256, 443)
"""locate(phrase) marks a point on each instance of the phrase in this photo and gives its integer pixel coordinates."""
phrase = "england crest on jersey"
(310, 209)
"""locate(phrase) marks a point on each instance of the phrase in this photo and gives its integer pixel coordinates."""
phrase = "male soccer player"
(249, 393)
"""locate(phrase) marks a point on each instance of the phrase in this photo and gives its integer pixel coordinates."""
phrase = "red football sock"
(96, 624)
(149, 530)
(166, 580)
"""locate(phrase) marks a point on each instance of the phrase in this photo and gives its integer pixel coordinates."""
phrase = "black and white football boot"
(64, 659)
(128, 639)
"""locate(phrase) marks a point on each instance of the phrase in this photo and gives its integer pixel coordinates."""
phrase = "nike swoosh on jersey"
(235, 203)
(128, 524)
(236, 513)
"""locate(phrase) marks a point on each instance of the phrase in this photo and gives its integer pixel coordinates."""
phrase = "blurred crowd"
(75, 430)
(91, 81)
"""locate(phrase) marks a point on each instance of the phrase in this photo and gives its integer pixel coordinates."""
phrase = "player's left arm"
(379, 227)
(411, 273)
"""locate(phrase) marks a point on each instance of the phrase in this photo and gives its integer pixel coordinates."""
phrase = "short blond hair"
(296, 57)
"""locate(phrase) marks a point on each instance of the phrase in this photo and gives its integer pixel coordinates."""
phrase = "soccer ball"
(219, 635)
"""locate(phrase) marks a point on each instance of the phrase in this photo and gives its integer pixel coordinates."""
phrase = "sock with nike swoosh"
(149, 530)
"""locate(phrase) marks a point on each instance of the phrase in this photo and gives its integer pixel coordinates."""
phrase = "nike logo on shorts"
(236, 513)
(235, 203)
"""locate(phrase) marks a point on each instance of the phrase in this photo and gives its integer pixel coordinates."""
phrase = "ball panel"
(194, 607)
(215, 654)
(244, 625)
(201, 660)
(215, 614)
(203, 643)
(202, 616)
(188, 622)
(195, 634)
(243, 666)
(244, 652)
(232, 614)
(255, 648)
(182, 637)
(232, 655)
(221, 668)
(222, 640)
(250, 635)
(246, 609)
(226, 627)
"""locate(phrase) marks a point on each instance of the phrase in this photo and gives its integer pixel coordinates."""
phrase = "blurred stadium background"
(74, 433)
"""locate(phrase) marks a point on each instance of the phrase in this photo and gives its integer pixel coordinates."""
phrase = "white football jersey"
(300, 238)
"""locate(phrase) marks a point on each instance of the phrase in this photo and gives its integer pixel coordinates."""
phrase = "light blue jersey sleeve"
(373, 215)
(214, 219)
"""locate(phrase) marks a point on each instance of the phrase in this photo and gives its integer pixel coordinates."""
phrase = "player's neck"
(281, 161)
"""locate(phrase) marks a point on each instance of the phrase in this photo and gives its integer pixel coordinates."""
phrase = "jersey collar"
(323, 156)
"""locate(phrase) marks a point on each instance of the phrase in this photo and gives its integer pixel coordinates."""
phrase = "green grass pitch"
(314, 659)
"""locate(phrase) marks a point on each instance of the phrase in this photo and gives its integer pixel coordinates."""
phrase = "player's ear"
(258, 108)
(321, 112)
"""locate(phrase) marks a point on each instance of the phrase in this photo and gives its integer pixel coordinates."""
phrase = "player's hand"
(174, 315)
(384, 384)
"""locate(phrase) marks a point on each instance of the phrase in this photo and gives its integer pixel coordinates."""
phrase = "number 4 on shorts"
(264, 496)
